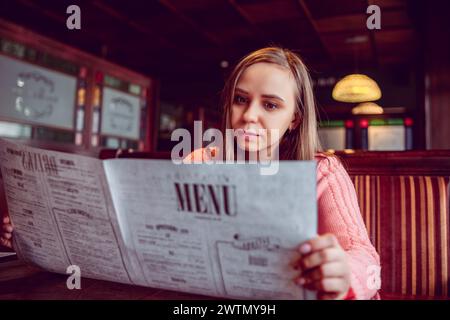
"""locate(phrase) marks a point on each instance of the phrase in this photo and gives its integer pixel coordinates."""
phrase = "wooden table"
(20, 281)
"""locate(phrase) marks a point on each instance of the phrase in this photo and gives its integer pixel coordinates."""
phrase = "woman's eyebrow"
(270, 96)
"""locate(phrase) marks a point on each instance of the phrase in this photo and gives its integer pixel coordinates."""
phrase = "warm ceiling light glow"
(367, 108)
(356, 88)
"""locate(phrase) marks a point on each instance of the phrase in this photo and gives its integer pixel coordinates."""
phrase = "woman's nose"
(251, 114)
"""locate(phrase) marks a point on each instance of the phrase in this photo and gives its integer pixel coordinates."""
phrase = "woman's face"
(264, 99)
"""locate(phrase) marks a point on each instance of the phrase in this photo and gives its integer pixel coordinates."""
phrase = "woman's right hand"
(6, 233)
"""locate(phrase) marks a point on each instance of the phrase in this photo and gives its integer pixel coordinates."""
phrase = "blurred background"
(137, 70)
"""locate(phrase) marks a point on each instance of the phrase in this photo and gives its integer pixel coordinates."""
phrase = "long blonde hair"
(300, 143)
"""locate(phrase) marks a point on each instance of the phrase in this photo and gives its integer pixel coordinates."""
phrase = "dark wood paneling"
(427, 162)
(437, 74)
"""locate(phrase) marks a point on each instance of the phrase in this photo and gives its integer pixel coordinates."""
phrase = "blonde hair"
(300, 143)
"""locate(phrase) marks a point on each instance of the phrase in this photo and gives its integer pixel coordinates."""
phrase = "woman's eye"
(270, 106)
(240, 99)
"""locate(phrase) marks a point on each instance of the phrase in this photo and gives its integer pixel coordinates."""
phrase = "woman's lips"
(248, 134)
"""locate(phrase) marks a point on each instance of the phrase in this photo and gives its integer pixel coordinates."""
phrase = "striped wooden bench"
(404, 200)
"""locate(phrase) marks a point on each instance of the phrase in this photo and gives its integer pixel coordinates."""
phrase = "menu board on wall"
(332, 138)
(30, 93)
(120, 114)
(386, 138)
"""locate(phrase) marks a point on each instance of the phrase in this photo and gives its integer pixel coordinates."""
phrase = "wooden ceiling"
(189, 38)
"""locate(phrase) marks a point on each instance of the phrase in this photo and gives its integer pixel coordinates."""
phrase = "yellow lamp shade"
(356, 88)
(367, 108)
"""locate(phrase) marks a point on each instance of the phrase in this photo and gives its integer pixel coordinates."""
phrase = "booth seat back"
(404, 201)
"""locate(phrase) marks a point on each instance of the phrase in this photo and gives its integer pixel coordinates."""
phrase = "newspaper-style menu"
(221, 230)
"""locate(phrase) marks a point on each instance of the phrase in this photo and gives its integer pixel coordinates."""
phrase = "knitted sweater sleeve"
(339, 214)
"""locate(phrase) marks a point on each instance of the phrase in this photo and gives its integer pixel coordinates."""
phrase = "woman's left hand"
(324, 267)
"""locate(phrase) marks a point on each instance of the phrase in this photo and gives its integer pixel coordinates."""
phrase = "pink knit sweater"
(338, 214)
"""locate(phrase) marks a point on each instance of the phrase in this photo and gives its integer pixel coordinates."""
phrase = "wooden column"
(437, 74)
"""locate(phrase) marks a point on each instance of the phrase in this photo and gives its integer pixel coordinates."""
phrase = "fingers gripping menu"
(58, 206)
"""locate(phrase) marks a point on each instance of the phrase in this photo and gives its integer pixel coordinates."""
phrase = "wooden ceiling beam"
(204, 33)
(48, 13)
(256, 30)
(128, 21)
(313, 23)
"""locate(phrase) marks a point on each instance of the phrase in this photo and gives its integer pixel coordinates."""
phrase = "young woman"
(270, 89)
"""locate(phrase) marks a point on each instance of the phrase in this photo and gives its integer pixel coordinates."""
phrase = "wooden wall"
(437, 74)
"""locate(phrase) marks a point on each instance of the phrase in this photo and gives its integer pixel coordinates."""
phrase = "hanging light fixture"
(356, 88)
(367, 108)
